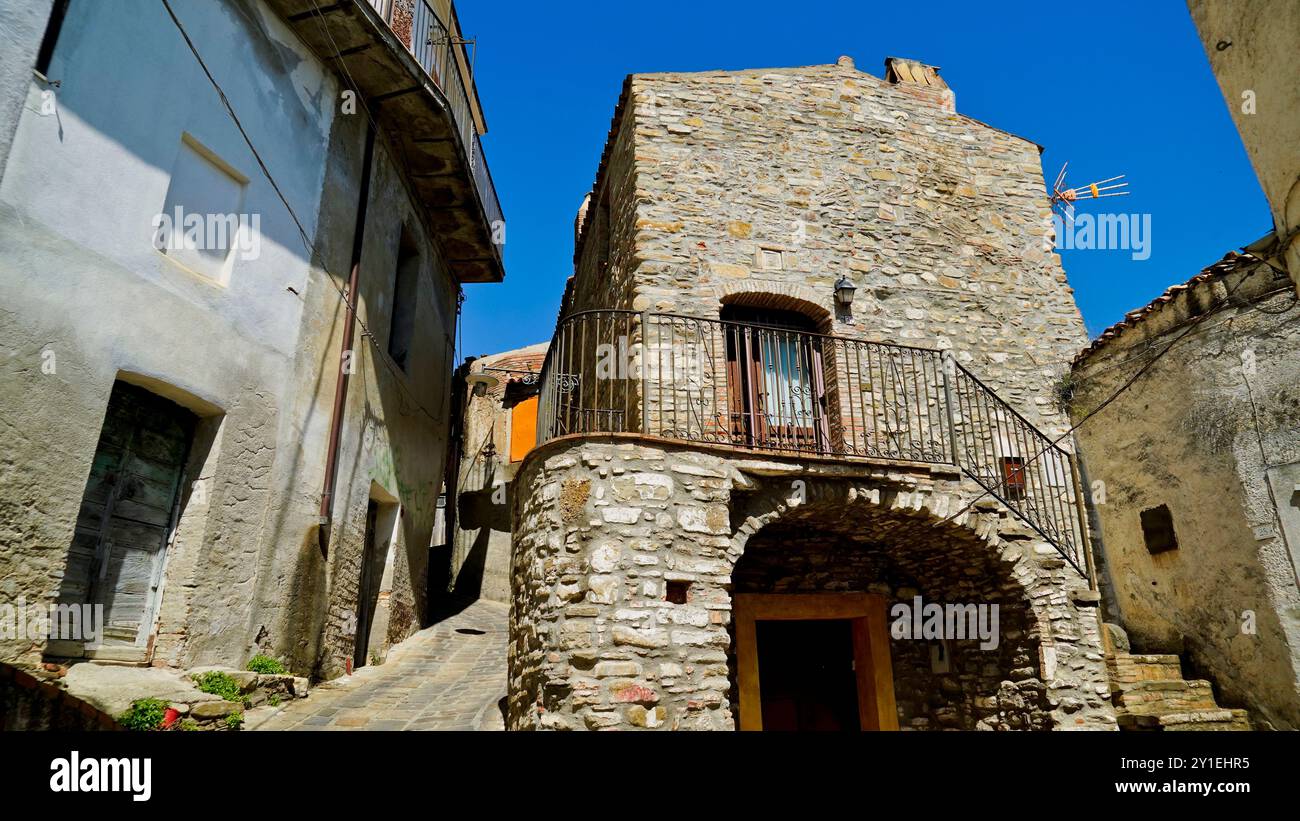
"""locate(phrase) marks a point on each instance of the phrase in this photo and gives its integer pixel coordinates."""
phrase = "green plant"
(187, 725)
(145, 714)
(1064, 390)
(375, 659)
(274, 701)
(219, 684)
(235, 720)
(261, 663)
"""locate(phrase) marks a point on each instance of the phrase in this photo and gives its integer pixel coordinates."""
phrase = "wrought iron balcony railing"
(442, 55)
(767, 388)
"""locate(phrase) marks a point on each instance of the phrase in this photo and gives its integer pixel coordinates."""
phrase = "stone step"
(1166, 696)
(1126, 668)
(1194, 720)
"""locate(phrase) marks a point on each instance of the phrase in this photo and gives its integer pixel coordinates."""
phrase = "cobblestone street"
(450, 676)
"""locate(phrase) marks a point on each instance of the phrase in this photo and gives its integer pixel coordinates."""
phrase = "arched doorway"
(776, 381)
(949, 635)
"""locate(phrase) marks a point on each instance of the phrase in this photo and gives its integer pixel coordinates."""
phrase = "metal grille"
(769, 388)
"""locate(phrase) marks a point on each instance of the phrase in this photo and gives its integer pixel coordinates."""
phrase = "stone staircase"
(1150, 693)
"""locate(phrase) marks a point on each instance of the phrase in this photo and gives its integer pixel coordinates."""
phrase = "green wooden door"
(127, 511)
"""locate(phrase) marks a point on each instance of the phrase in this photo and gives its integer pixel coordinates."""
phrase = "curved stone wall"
(604, 526)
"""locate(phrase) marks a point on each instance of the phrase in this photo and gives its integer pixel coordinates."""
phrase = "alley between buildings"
(450, 676)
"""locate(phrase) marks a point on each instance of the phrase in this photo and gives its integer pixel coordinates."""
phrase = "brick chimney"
(920, 81)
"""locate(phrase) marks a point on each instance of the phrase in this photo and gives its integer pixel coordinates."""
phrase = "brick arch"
(784, 296)
(838, 535)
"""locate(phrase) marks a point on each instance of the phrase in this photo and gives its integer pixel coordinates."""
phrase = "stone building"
(233, 442)
(803, 383)
(499, 429)
(1195, 472)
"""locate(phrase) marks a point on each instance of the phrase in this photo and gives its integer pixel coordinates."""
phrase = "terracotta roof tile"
(1231, 261)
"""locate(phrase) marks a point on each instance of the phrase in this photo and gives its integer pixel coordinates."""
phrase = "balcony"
(411, 73)
(756, 387)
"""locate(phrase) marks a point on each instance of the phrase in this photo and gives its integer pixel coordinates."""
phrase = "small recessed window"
(406, 283)
(940, 660)
(677, 592)
(1013, 477)
(1158, 530)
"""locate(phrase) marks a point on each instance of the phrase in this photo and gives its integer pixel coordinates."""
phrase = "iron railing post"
(1085, 544)
(996, 447)
(645, 373)
(949, 371)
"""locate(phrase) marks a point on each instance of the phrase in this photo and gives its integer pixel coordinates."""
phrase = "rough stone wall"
(942, 222)
(395, 424)
(1210, 431)
(605, 523)
(818, 551)
(606, 263)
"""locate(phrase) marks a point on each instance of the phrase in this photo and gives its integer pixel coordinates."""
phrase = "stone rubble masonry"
(942, 222)
(762, 188)
(602, 525)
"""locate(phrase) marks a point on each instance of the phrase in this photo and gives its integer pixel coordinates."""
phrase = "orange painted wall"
(523, 428)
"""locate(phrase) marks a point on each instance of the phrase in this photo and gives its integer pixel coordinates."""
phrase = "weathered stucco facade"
(1251, 48)
(251, 357)
(761, 190)
(1208, 432)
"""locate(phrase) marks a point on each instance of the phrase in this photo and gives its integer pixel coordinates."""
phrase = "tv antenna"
(1063, 198)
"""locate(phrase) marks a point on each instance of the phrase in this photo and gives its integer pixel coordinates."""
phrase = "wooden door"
(868, 633)
(127, 512)
(776, 390)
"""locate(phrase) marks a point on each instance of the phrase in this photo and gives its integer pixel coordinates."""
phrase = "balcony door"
(775, 382)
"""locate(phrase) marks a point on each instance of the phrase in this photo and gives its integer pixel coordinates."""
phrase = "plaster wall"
(1251, 46)
(22, 26)
(256, 359)
(1209, 431)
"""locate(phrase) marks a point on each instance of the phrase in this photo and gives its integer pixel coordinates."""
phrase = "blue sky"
(1113, 87)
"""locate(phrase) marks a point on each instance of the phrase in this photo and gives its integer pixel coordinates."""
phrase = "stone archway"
(838, 536)
(628, 552)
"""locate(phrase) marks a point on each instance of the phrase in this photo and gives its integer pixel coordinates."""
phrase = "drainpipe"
(346, 362)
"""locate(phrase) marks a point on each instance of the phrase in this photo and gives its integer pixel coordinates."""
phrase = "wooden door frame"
(866, 611)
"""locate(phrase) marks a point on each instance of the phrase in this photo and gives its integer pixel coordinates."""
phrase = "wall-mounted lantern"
(844, 290)
(481, 383)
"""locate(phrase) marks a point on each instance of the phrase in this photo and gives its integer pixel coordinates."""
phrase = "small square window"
(1013, 477)
(677, 592)
(1158, 530)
